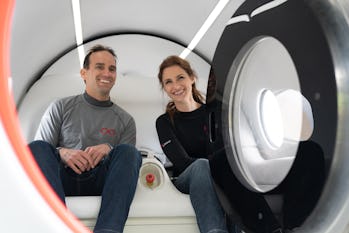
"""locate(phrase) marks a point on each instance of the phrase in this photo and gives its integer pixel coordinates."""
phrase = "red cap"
(150, 178)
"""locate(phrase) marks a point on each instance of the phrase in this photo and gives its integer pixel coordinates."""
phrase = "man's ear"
(83, 74)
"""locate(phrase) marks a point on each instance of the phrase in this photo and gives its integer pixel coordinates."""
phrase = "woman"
(183, 133)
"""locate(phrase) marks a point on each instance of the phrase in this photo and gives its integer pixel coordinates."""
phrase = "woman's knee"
(201, 169)
(201, 165)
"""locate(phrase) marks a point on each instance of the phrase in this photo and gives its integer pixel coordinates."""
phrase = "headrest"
(296, 114)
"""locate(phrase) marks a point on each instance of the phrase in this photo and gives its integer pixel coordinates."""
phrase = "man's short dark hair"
(97, 48)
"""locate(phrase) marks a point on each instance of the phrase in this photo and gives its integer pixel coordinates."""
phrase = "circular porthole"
(256, 117)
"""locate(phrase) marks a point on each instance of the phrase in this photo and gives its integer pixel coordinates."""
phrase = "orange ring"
(8, 115)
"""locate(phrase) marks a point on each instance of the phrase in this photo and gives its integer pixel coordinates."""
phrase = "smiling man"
(85, 144)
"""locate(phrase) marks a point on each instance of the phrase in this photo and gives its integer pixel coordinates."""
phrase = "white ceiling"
(43, 30)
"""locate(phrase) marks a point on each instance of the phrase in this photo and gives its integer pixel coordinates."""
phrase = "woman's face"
(177, 84)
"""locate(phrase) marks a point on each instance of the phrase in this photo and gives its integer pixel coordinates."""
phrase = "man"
(85, 144)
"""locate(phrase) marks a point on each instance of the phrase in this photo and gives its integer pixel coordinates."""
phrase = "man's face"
(101, 75)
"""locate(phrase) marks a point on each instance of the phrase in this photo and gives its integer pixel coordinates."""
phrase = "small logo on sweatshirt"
(106, 131)
(165, 143)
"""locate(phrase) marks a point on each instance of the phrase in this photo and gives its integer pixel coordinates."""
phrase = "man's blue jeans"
(196, 181)
(115, 179)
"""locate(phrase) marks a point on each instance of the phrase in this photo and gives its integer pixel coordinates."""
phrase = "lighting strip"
(78, 30)
(207, 24)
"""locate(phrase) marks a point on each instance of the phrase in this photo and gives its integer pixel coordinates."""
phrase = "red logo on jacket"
(106, 131)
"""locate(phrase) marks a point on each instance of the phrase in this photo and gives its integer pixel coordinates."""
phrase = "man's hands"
(84, 160)
(97, 153)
